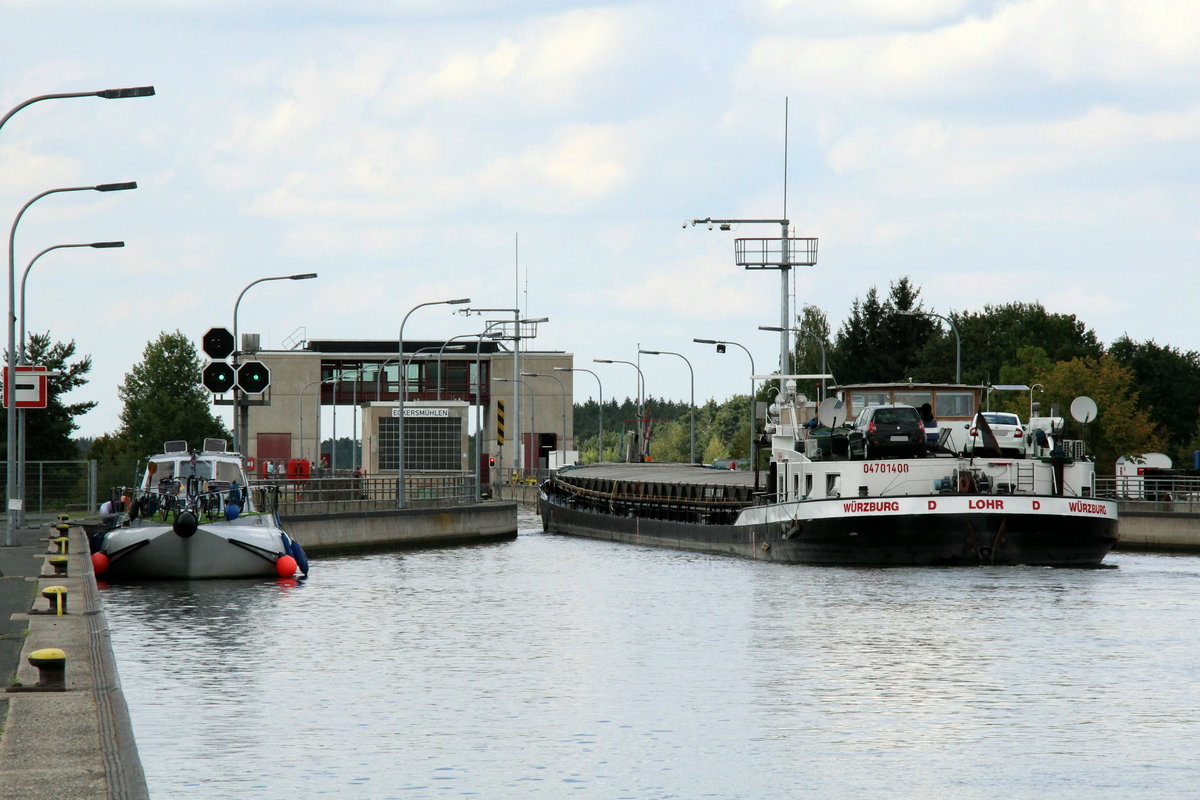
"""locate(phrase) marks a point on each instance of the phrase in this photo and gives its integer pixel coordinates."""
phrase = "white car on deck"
(1009, 432)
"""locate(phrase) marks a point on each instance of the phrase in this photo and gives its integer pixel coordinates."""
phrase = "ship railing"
(370, 493)
(206, 501)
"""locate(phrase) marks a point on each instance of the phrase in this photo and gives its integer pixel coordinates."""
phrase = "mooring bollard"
(57, 595)
(59, 564)
(52, 667)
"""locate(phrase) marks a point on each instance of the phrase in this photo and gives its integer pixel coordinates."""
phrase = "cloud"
(1126, 42)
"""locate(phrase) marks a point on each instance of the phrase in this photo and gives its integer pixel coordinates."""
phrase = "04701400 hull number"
(884, 467)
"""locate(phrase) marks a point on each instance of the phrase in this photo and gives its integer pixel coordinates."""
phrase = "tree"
(48, 431)
(876, 343)
(990, 339)
(1121, 427)
(1168, 383)
(812, 341)
(165, 399)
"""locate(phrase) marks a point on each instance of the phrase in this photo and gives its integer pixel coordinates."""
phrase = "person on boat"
(929, 422)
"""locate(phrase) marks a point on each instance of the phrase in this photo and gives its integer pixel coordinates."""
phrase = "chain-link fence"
(56, 487)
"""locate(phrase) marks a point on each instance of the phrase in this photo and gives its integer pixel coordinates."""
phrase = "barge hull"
(955, 539)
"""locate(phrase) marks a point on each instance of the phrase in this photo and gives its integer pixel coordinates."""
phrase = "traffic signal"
(253, 377)
(218, 377)
(491, 461)
(218, 343)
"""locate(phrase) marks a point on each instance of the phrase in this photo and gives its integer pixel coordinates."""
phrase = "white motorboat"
(193, 516)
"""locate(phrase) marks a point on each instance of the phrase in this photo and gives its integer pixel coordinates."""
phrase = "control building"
(444, 382)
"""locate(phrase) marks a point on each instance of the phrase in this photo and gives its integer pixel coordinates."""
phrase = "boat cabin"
(176, 464)
(954, 402)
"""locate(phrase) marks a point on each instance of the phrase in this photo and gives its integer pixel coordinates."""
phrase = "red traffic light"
(253, 377)
(218, 343)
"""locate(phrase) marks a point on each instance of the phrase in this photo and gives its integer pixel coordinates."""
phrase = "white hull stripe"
(931, 505)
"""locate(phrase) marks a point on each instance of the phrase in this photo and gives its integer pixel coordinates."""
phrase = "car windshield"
(893, 416)
(1002, 419)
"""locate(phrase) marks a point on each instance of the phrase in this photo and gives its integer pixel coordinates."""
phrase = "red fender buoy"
(99, 563)
(285, 566)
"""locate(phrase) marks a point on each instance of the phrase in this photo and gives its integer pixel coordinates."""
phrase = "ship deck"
(654, 472)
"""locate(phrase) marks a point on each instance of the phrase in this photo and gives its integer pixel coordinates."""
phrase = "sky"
(546, 155)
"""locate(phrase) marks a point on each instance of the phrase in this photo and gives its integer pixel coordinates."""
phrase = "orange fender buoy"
(285, 566)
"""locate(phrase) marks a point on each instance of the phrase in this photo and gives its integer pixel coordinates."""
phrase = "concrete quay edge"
(78, 742)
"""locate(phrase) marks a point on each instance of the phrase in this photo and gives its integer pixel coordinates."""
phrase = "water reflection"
(548, 665)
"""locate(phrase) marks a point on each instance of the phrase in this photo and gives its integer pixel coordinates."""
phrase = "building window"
(954, 404)
(430, 444)
(915, 399)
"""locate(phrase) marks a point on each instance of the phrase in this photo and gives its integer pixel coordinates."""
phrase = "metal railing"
(528, 477)
(1174, 494)
(346, 492)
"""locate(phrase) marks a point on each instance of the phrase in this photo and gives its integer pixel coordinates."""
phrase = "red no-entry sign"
(29, 387)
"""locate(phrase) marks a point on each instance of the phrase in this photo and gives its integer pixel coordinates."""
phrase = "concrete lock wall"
(350, 531)
(1149, 530)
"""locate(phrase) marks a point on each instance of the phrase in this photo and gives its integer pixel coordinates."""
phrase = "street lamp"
(600, 438)
(957, 340)
(21, 421)
(820, 342)
(15, 463)
(301, 404)
(404, 391)
(693, 401)
(720, 344)
(1040, 388)
(241, 414)
(11, 470)
(563, 461)
(641, 395)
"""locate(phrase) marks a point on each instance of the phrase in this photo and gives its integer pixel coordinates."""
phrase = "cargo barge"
(816, 505)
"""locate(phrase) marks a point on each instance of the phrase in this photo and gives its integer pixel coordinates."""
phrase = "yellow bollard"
(52, 667)
(64, 545)
(59, 563)
(57, 595)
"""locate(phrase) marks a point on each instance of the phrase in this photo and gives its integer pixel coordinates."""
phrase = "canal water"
(552, 667)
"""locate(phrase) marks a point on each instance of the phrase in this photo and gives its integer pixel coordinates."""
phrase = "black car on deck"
(887, 430)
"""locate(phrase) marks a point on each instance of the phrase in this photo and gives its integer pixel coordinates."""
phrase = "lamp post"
(957, 339)
(21, 421)
(720, 344)
(404, 391)
(303, 389)
(693, 400)
(1041, 388)
(16, 464)
(241, 414)
(563, 460)
(442, 352)
(11, 468)
(641, 395)
(820, 342)
(600, 438)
